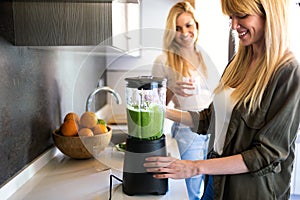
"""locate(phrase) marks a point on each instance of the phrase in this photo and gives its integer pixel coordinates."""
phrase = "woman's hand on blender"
(184, 88)
(169, 167)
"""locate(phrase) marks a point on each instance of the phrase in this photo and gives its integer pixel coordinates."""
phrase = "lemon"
(99, 129)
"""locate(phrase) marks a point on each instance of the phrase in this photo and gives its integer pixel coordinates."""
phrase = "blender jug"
(145, 105)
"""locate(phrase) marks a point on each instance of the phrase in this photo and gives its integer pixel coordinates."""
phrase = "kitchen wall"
(295, 28)
(38, 86)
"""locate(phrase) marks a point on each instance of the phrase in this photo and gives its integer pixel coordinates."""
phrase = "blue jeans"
(209, 190)
(191, 147)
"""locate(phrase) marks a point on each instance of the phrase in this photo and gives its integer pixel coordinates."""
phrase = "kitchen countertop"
(69, 179)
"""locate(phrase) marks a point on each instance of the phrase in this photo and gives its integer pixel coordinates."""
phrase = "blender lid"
(145, 82)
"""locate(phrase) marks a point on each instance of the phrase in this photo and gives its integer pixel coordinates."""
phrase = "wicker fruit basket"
(81, 147)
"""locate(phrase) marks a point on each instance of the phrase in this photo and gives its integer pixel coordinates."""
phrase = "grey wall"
(37, 88)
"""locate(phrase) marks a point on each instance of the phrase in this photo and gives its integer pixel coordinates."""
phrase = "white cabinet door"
(126, 27)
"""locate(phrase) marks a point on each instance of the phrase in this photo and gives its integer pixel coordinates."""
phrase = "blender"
(145, 107)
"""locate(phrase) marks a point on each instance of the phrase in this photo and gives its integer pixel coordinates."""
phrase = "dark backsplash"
(29, 107)
(32, 82)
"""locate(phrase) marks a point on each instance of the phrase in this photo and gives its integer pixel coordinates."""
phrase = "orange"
(73, 116)
(85, 132)
(69, 128)
(99, 129)
(88, 120)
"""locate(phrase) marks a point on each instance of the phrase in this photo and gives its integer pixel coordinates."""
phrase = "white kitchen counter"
(64, 178)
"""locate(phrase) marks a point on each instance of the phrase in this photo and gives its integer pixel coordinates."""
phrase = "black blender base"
(143, 183)
(136, 180)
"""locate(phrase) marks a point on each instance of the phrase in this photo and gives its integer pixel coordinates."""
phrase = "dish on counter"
(121, 146)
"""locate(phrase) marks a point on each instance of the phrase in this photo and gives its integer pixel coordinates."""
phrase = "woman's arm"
(168, 167)
(180, 116)
(169, 96)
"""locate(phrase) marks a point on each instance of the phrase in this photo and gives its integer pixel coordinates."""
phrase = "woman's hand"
(168, 167)
(184, 88)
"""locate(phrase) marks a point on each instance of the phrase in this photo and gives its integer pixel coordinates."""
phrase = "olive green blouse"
(264, 138)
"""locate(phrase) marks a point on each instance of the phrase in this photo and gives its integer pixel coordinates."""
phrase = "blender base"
(136, 180)
(143, 183)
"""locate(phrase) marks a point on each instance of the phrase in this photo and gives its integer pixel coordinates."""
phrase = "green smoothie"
(145, 123)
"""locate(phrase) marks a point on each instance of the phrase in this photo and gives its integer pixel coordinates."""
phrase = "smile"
(186, 38)
(242, 34)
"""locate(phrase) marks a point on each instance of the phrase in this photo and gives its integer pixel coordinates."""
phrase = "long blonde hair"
(250, 90)
(170, 46)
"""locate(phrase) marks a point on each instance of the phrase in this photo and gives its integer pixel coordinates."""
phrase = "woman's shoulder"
(206, 57)
(161, 58)
(201, 50)
(290, 68)
(288, 75)
(160, 67)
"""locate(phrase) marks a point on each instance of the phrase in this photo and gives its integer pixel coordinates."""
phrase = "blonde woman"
(255, 113)
(191, 77)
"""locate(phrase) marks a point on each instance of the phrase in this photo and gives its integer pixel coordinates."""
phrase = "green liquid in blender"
(145, 123)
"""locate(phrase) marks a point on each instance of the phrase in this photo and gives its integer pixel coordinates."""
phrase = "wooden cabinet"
(51, 23)
(57, 22)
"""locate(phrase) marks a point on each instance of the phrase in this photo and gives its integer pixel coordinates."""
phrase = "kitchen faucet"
(98, 89)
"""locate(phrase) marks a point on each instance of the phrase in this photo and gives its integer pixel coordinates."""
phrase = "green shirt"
(264, 138)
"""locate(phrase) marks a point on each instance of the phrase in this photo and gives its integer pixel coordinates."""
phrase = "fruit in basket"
(99, 129)
(88, 120)
(86, 125)
(85, 132)
(69, 128)
(72, 116)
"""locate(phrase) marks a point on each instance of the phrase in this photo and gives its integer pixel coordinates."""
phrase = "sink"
(118, 137)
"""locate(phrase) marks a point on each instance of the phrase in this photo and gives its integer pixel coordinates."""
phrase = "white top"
(223, 105)
(206, 85)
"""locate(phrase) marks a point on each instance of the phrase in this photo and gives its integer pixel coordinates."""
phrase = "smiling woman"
(251, 141)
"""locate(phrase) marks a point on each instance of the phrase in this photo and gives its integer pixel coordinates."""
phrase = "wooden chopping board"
(117, 119)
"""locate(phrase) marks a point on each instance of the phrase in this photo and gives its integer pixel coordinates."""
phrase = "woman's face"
(186, 30)
(250, 29)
